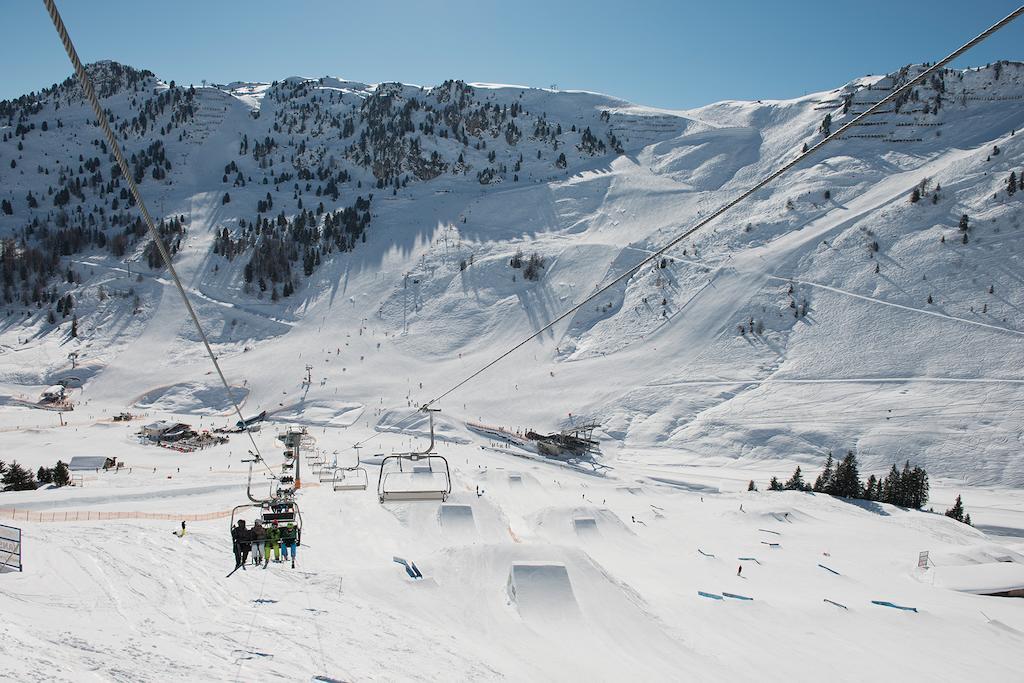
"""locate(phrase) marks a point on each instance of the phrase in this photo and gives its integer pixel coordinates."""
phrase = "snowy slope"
(829, 313)
(404, 287)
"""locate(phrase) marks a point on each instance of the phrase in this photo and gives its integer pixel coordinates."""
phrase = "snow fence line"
(98, 516)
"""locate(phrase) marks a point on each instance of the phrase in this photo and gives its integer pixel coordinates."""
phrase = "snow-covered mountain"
(354, 250)
(373, 232)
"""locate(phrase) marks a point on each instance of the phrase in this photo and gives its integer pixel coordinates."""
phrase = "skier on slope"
(180, 533)
(259, 536)
(242, 539)
(289, 538)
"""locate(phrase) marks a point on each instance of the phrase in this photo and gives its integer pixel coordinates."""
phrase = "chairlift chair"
(350, 479)
(415, 476)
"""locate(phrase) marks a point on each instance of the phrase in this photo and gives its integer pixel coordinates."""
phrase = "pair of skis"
(242, 566)
(410, 568)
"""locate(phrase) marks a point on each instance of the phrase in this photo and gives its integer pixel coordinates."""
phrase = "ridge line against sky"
(657, 53)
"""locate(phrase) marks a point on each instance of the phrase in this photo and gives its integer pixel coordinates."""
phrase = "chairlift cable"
(115, 147)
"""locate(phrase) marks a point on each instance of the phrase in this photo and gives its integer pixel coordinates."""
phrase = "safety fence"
(99, 515)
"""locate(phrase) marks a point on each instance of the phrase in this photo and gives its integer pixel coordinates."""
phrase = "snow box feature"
(585, 526)
(456, 517)
(542, 590)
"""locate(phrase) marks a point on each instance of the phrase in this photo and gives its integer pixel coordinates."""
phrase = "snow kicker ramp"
(525, 595)
(542, 590)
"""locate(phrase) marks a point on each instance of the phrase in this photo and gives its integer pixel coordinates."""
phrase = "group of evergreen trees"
(14, 477)
(276, 244)
(531, 267)
(907, 488)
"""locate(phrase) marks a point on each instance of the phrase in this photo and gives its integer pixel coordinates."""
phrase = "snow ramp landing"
(542, 590)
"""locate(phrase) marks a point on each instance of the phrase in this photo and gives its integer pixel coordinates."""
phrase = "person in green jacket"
(289, 540)
(273, 543)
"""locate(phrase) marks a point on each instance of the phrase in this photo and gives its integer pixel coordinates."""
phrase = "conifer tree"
(824, 482)
(17, 478)
(890, 486)
(870, 492)
(847, 478)
(957, 511)
(796, 482)
(61, 474)
(774, 485)
(751, 486)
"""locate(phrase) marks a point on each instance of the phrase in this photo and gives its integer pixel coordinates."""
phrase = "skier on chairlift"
(289, 537)
(259, 536)
(272, 544)
(242, 539)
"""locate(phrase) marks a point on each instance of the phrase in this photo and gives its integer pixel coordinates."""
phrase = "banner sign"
(10, 547)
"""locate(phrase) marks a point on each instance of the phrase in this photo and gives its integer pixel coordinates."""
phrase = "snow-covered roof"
(87, 462)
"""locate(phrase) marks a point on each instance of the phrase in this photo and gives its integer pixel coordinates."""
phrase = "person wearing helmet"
(289, 538)
(273, 543)
(242, 539)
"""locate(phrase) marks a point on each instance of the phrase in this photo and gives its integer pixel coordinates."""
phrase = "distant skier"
(739, 572)
(180, 533)
(259, 536)
(289, 539)
(242, 539)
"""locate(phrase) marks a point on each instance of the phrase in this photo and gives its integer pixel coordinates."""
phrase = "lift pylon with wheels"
(415, 476)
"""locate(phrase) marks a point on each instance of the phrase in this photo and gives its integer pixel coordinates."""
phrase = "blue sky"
(668, 54)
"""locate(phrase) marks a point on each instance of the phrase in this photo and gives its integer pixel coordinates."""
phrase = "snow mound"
(585, 521)
(191, 397)
(320, 413)
(416, 423)
(982, 579)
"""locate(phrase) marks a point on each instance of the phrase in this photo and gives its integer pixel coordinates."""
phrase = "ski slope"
(553, 574)
(127, 599)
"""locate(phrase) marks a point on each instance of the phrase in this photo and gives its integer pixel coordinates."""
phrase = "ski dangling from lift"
(241, 566)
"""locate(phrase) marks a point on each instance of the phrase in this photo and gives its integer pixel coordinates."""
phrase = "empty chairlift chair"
(351, 477)
(415, 476)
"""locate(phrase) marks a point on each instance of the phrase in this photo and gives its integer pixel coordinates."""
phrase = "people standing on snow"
(259, 535)
(739, 572)
(242, 539)
(289, 538)
(272, 544)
